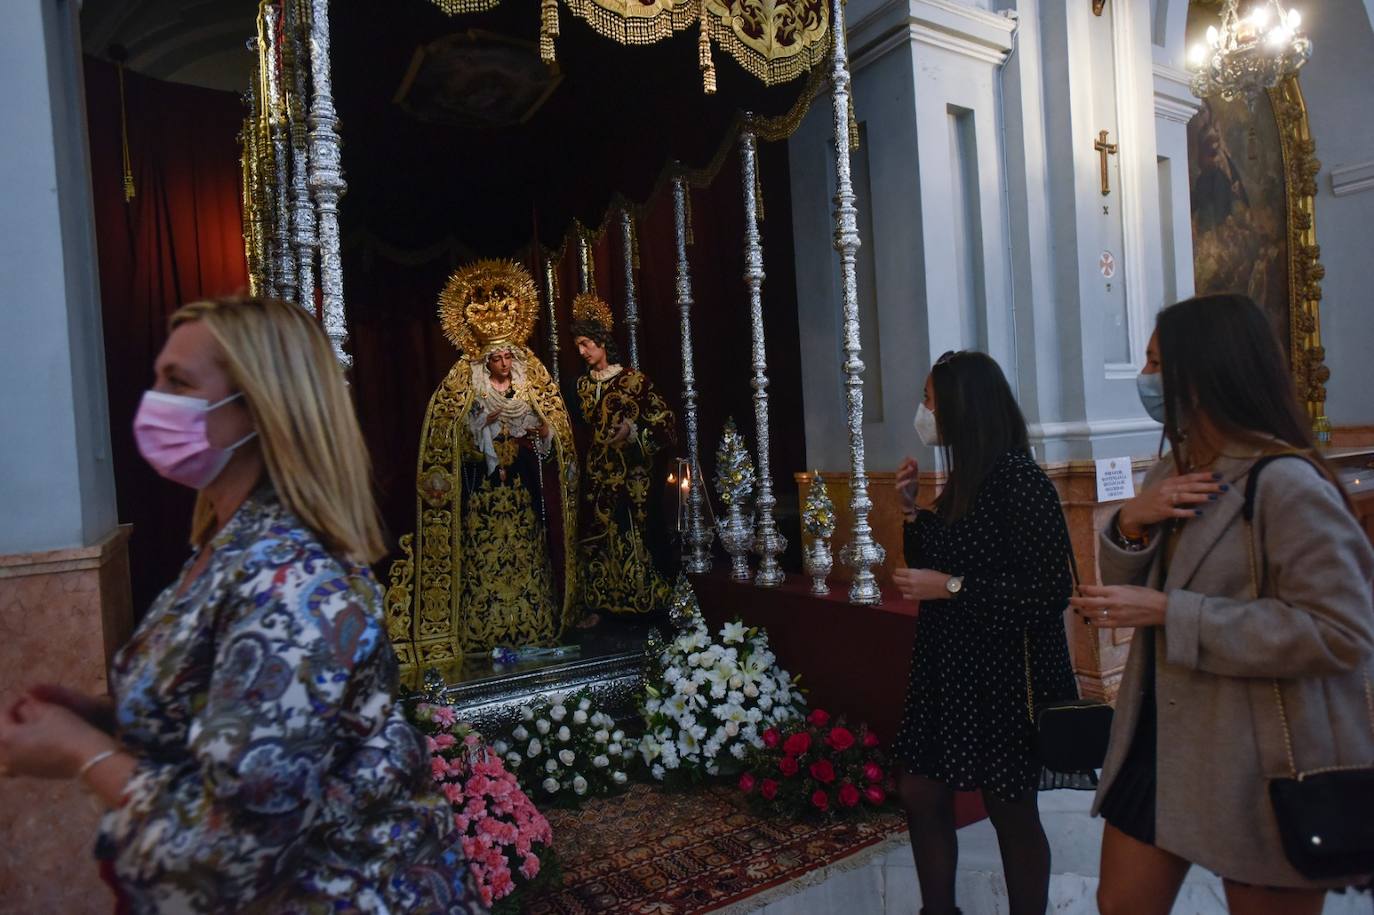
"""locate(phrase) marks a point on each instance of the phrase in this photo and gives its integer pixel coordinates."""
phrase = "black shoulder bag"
(1323, 814)
(1070, 736)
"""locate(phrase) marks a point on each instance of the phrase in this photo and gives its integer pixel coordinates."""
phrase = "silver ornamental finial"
(683, 608)
(818, 521)
(734, 485)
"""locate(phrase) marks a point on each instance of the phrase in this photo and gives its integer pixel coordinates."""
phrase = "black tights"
(1025, 851)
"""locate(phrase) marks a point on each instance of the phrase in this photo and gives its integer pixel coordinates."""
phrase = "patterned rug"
(654, 852)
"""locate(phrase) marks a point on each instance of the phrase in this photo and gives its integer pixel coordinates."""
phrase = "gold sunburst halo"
(587, 307)
(488, 302)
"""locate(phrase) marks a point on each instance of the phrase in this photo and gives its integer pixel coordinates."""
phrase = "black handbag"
(1325, 816)
(1070, 735)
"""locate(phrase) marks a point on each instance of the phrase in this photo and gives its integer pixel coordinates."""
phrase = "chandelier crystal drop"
(1249, 54)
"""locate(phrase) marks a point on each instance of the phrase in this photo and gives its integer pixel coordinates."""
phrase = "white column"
(56, 481)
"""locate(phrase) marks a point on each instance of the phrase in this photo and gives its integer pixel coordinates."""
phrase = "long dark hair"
(598, 335)
(978, 420)
(1220, 358)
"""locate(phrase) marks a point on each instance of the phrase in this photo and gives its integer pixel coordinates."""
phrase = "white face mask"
(926, 426)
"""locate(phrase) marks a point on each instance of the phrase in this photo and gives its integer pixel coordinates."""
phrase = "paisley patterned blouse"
(275, 773)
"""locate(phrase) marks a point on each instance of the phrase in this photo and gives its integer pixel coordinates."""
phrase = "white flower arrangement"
(563, 749)
(713, 700)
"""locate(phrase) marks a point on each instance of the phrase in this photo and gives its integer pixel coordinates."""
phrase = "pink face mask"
(171, 435)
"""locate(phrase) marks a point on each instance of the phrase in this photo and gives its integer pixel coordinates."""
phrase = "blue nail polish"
(1198, 513)
(1216, 476)
(1225, 487)
(1212, 497)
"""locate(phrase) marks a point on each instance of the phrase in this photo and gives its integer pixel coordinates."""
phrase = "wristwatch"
(955, 584)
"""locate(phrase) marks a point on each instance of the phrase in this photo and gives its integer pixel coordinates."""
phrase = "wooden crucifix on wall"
(1104, 149)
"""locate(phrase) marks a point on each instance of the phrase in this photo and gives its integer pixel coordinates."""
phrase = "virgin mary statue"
(492, 560)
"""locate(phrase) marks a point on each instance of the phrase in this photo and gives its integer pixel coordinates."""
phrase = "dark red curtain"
(179, 239)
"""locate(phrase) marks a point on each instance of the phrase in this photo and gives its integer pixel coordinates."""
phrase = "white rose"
(619, 778)
(551, 785)
(736, 681)
(542, 726)
(568, 757)
(580, 785)
(535, 748)
(751, 691)
(579, 717)
(564, 734)
(514, 759)
(520, 733)
(689, 688)
(618, 736)
(657, 771)
(731, 728)
(584, 705)
(601, 736)
(614, 749)
(527, 713)
(558, 713)
(501, 747)
(601, 762)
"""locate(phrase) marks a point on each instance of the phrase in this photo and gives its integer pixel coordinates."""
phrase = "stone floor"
(886, 885)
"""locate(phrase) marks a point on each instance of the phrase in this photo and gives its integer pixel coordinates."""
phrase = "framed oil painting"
(1252, 179)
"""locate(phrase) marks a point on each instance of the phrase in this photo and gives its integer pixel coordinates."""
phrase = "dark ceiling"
(617, 117)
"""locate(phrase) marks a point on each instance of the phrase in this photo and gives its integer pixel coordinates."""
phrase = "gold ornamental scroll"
(775, 40)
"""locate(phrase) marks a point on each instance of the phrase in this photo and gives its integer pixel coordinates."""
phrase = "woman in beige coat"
(1198, 731)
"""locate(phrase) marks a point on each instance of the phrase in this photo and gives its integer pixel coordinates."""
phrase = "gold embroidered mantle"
(424, 601)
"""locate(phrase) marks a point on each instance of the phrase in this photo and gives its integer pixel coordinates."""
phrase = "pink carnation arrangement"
(817, 767)
(506, 841)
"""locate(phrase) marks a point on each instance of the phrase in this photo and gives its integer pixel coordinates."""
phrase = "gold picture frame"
(1307, 355)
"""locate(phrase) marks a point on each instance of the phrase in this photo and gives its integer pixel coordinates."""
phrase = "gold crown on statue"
(587, 307)
(486, 303)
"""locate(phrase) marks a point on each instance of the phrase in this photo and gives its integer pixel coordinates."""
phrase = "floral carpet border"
(656, 852)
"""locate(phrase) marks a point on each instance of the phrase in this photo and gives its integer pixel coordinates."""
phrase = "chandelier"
(1248, 54)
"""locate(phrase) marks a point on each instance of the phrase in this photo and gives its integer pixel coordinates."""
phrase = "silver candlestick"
(302, 211)
(699, 535)
(768, 542)
(327, 181)
(283, 255)
(627, 238)
(863, 552)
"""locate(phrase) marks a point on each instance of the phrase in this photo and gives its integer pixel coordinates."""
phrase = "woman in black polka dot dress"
(989, 562)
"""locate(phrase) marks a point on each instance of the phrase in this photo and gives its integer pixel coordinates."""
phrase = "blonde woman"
(251, 756)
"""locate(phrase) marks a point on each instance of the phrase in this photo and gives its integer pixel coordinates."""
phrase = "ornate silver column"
(862, 553)
(627, 230)
(551, 298)
(283, 256)
(768, 543)
(698, 535)
(584, 260)
(326, 180)
(302, 211)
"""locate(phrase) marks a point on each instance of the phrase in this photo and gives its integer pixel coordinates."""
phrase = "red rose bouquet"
(507, 843)
(819, 767)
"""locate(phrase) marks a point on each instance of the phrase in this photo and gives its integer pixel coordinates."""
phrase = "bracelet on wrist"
(94, 761)
(1126, 541)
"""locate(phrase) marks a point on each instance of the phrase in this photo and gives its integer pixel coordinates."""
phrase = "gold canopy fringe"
(704, 61)
(775, 42)
(548, 30)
